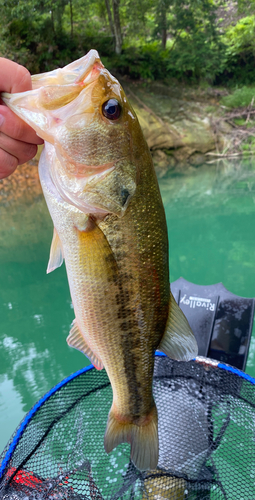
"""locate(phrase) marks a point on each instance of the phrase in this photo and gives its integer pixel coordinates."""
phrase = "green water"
(210, 215)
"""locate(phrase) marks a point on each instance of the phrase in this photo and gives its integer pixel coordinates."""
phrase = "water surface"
(210, 214)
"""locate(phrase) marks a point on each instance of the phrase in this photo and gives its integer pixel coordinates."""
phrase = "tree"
(196, 45)
(109, 13)
(113, 12)
(117, 27)
(162, 21)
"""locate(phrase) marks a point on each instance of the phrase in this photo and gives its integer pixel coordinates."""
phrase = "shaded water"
(210, 215)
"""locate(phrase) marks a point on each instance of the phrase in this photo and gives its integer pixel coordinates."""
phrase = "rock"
(162, 162)
(182, 154)
(196, 133)
(189, 130)
(197, 159)
(171, 161)
(158, 134)
(160, 157)
(224, 127)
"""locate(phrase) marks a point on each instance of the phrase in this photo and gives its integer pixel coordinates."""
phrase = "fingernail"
(1, 120)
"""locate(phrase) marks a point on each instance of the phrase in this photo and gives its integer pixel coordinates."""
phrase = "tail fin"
(143, 439)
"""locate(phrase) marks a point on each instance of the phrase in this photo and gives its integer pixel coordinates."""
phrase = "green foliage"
(148, 62)
(246, 6)
(188, 40)
(239, 121)
(194, 51)
(248, 147)
(240, 38)
(194, 58)
(44, 41)
(239, 98)
(240, 50)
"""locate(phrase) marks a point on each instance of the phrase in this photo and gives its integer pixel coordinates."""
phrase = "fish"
(102, 193)
(160, 485)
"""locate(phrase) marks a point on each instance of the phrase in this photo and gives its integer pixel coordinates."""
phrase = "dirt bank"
(23, 185)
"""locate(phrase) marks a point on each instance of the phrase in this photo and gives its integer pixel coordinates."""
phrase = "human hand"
(18, 141)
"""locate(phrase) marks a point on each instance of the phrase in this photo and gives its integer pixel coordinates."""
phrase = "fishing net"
(206, 437)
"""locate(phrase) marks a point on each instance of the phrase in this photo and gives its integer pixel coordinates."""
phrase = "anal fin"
(178, 341)
(56, 253)
(75, 339)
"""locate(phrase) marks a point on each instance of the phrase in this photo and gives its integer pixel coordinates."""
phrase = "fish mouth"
(77, 72)
(55, 97)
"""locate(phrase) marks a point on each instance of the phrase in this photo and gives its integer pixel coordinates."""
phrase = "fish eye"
(111, 109)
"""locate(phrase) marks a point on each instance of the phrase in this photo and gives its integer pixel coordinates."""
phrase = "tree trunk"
(52, 19)
(71, 17)
(163, 24)
(164, 38)
(117, 27)
(108, 8)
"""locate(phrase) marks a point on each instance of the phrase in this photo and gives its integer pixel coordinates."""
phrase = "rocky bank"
(177, 127)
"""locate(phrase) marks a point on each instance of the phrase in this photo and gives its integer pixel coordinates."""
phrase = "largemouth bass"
(102, 193)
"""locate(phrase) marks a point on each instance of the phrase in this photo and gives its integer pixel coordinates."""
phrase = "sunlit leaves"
(187, 39)
(241, 37)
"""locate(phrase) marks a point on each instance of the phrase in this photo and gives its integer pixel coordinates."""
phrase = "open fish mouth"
(77, 72)
(57, 89)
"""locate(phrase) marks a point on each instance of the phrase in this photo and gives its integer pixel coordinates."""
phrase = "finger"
(8, 164)
(14, 77)
(12, 125)
(20, 150)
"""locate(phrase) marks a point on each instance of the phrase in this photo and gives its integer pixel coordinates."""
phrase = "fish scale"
(102, 193)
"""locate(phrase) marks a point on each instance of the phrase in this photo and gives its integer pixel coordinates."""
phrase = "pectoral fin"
(56, 253)
(178, 341)
(75, 339)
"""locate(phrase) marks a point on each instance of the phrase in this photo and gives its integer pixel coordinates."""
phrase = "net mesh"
(206, 440)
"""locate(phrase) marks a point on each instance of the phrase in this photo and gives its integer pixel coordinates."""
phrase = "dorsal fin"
(75, 339)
